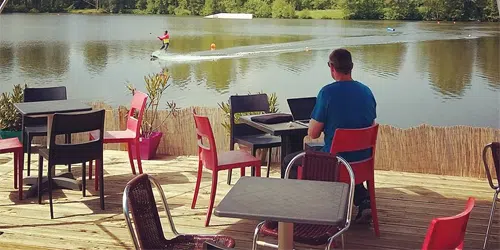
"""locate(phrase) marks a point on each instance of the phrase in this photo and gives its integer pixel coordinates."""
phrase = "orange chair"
(449, 232)
(130, 136)
(217, 162)
(13, 145)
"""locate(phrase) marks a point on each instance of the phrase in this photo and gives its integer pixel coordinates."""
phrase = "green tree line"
(459, 10)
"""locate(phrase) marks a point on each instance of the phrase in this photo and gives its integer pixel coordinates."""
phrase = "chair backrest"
(351, 140)
(147, 232)
(207, 151)
(73, 123)
(448, 232)
(318, 163)
(319, 166)
(138, 106)
(495, 151)
(244, 104)
(39, 95)
(45, 94)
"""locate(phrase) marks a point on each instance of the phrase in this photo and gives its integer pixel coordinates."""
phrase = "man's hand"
(315, 129)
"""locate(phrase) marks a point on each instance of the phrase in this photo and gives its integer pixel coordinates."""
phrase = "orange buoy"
(212, 46)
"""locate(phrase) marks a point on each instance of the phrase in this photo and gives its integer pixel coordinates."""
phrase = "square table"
(292, 133)
(287, 201)
(48, 109)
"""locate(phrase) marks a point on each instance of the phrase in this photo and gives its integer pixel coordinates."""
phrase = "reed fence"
(455, 150)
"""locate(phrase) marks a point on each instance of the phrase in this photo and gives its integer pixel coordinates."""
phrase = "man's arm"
(315, 129)
(318, 116)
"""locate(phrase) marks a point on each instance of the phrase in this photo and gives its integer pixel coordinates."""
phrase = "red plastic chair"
(209, 158)
(448, 232)
(13, 145)
(130, 136)
(347, 140)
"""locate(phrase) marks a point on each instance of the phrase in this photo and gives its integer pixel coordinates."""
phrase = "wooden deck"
(407, 203)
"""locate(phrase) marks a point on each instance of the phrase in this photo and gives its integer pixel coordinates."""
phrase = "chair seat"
(303, 233)
(314, 144)
(36, 130)
(115, 136)
(10, 145)
(195, 242)
(259, 141)
(236, 159)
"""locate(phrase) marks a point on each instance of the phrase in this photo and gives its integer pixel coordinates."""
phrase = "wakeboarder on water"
(166, 40)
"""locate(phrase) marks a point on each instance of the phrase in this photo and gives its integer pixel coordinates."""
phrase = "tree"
(282, 9)
(363, 9)
(401, 10)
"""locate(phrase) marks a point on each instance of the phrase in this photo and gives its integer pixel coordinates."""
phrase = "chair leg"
(212, 197)
(49, 174)
(84, 178)
(492, 212)
(40, 171)
(254, 153)
(67, 139)
(229, 175)
(130, 157)
(138, 154)
(97, 174)
(100, 166)
(257, 170)
(198, 181)
(16, 162)
(269, 161)
(90, 163)
(20, 173)
(371, 189)
(28, 151)
(90, 169)
(256, 235)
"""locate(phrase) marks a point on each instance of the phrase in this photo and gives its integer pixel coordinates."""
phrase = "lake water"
(421, 73)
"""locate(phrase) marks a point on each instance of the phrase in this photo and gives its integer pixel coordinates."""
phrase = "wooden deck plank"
(407, 202)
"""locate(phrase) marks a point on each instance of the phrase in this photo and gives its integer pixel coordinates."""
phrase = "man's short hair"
(341, 60)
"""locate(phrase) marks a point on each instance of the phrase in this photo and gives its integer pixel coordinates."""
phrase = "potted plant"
(10, 118)
(156, 85)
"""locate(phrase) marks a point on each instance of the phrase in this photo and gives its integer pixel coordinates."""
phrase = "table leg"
(291, 144)
(285, 236)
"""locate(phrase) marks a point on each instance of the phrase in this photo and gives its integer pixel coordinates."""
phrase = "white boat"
(231, 16)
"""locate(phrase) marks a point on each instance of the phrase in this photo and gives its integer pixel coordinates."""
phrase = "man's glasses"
(329, 64)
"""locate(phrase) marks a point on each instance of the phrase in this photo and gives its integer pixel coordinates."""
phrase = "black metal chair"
(37, 126)
(316, 166)
(62, 154)
(495, 151)
(247, 135)
(139, 207)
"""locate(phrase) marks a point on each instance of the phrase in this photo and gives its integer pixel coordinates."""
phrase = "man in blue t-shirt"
(343, 104)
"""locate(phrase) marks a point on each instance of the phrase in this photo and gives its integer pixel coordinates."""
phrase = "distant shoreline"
(335, 14)
(330, 14)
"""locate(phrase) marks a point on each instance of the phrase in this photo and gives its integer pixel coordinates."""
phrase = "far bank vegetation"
(452, 10)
